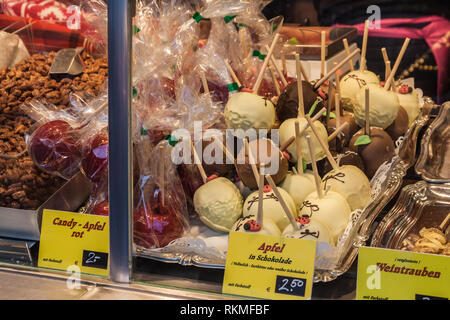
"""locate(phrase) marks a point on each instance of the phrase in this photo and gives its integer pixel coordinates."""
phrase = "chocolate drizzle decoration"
(306, 233)
(312, 207)
(361, 82)
(335, 177)
(265, 197)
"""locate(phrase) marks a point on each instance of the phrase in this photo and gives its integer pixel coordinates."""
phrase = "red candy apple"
(95, 157)
(155, 224)
(53, 148)
(101, 209)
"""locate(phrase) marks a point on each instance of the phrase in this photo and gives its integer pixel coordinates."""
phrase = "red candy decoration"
(252, 225)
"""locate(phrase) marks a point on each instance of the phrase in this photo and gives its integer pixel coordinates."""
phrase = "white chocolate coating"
(352, 82)
(269, 227)
(218, 204)
(410, 102)
(299, 186)
(287, 130)
(271, 207)
(383, 107)
(314, 230)
(351, 183)
(246, 110)
(331, 210)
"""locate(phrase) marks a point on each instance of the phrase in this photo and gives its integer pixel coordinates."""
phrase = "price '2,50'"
(289, 285)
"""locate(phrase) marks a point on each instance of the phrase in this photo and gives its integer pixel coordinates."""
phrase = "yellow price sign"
(74, 240)
(385, 274)
(269, 267)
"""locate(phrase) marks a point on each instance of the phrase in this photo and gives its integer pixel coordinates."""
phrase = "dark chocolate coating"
(287, 104)
(214, 168)
(400, 125)
(245, 171)
(347, 157)
(381, 149)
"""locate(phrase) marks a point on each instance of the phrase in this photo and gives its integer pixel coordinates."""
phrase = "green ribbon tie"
(172, 140)
(258, 54)
(229, 18)
(197, 17)
(233, 87)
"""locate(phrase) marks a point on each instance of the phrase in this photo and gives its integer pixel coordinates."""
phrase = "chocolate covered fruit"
(351, 84)
(287, 104)
(331, 210)
(263, 151)
(311, 230)
(269, 227)
(271, 206)
(374, 154)
(246, 110)
(218, 203)
(383, 107)
(54, 148)
(298, 185)
(287, 130)
(351, 183)
(400, 125)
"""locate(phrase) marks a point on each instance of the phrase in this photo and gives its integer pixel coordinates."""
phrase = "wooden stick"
(244, 47)
(301, 105)
(387, 64)
(367, 115)
(322, 53)
(337, 104)
(364, 46)
(232, 73)
(274, 79)
(163, 188)
(314, 166)
(198, 163)
(287, 144)
(340, 64)
(444, 223)
(277, 68)
(264, 66)
(11, 25)
(282, 202)
(251, 161)
(347, 49)
(322, 144)
(396, 64)
(337, 78)
(337, 131)
(204, 81)
(259, 215)
(298, 143)
(283, 62)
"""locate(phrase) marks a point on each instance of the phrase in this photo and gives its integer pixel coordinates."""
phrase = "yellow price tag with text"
(269, 267)
(385, 274)
(74, 240)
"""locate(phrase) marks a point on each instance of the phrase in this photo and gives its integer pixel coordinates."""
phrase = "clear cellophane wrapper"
(56, 140)
(160, 211)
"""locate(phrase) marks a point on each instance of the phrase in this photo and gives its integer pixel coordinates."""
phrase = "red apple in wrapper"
(54, 148)
(156, 225)
(95, 157)
(101, 209)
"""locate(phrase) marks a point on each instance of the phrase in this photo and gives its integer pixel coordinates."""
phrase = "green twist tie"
(305, 165)
(313, 107)
(136, 30)
(293, 40)
(172, 140)
(135, 93)
(241, 25)
(332, 115)
(233, 87)
(197, 17)
(362, 140)
(258, 54)
(144, 131)
(228, 18)
(275, 26)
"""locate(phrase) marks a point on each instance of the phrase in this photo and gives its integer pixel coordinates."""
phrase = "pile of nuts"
(22, 184)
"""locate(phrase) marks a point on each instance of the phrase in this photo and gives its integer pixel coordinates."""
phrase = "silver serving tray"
(361, 231)
(434, 160)
(423, 204)
(25, 224)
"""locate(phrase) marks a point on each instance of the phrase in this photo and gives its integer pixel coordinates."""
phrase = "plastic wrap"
(160, 214)
(58, 137)
(94, 27)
